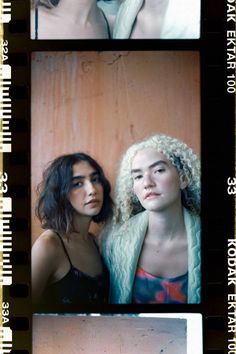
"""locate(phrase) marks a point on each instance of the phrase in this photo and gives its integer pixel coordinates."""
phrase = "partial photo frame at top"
(115, 19)
(137, 114)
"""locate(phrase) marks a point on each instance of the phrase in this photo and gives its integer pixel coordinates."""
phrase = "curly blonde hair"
(179, 154)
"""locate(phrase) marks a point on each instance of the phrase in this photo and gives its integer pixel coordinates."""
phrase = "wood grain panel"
(101, 102)
(116, 335)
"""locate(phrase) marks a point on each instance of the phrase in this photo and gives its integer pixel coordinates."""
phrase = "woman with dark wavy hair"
(66, 264)
(69, 19)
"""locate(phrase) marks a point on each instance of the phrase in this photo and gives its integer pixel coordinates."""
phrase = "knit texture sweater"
(121, 247)
(181, 21)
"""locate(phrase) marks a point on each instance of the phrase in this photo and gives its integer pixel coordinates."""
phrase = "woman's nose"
(91, 190)
(148, 181)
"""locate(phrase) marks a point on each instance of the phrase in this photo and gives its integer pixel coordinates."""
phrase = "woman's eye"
(159, 170)
(95, 179)
(77, 184)
(136, 178)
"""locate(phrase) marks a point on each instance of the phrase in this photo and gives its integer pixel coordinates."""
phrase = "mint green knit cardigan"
(121, 247)
(182, 19)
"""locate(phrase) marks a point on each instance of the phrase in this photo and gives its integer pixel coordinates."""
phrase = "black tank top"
(77, 288)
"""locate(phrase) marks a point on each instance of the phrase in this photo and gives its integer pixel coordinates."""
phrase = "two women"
(152, 248)
(95, 19)
(66, 264)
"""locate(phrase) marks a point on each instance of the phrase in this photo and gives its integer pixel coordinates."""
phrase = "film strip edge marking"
(231, 181)
(5, 202)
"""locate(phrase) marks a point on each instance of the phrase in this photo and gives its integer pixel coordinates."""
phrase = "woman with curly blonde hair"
(152, 248)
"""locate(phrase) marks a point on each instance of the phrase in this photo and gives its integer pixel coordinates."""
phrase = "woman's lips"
(92, 203)
(151, 195)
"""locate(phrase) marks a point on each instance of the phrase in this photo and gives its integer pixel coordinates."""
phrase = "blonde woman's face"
(156, 182)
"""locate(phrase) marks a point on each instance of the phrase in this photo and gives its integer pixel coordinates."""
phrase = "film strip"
(217, 52)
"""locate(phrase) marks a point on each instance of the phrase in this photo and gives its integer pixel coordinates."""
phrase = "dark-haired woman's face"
(86, 194)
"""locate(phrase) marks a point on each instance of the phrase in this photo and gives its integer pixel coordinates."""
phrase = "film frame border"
(216, 103)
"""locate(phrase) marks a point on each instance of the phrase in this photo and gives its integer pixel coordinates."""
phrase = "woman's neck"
(81, 226)
(150, 19)
(154, 5)
(166, 225)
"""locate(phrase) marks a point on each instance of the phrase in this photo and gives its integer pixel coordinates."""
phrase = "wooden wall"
(111, 335)
(101, 102)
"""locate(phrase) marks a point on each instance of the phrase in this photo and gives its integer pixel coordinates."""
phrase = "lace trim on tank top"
(77, 287)
(71, 265)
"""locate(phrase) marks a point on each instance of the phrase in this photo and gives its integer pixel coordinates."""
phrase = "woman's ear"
(183, 182)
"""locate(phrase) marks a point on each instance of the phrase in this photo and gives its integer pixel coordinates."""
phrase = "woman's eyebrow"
(159, 162)
(77, 177)
(95, 173)
(154, 164)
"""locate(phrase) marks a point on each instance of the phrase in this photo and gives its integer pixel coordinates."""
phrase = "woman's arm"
(43, 263)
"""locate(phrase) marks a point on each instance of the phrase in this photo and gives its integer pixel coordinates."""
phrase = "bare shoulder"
(48, 243)
(45, 261)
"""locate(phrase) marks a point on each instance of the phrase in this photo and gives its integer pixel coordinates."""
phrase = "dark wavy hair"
(49, 3)
(53, 207)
